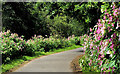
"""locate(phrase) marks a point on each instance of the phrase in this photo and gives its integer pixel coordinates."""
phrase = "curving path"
(59, 62)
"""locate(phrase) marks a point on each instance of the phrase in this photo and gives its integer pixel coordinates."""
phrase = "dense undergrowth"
(102, 46)
(13, 46)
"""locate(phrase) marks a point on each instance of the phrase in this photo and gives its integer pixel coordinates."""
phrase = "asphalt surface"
(59, 62)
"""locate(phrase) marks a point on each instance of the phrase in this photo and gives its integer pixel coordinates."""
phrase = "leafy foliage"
(103, 44)
(12, 46)
(45, 18)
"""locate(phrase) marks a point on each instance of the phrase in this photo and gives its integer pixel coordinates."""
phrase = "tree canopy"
(49, 18)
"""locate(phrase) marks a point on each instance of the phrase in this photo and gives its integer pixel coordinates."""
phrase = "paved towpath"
(59, 62)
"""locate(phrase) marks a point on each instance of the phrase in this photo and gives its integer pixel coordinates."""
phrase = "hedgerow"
(12, 46)
(102, 46)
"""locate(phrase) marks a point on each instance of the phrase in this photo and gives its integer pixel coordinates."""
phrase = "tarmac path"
(58, 62)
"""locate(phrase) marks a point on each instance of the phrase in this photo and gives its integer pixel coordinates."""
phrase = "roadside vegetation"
(33, 29)
(102, 45)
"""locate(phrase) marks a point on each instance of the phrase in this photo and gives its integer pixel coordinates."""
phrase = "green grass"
(16, 62)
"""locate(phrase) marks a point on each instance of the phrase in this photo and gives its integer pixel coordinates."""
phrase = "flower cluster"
(12, 46)
(102, 46)
(11, 43)
(48, 44)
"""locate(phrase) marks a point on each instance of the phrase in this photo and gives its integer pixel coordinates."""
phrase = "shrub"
(11, 46)
(38, 42)
(102, 46)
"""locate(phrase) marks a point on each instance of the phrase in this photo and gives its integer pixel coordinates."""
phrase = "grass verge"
(16, 63)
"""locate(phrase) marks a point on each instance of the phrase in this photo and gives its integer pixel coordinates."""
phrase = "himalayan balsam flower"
(112, 46)
(104, 18)
(101, 69)
(99, 20)
(110, 18)
(113, 69)
(89, 64)
(103, 56)
(114, 35)
(105, 10)
(111, 55)
(119, 38)
(99, 37)
(90, 30)
(98, 30)
(114, 13)
(106, 35)
(108, 52)
(98, 48)
(114, 52)
(100, 62)
(109, 68)
(100, 42)
(100, 25)
(110, 40)
(113, 7)
(112, 25)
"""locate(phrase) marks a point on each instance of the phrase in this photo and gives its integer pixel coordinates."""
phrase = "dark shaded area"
(18, 18)
(32, 18)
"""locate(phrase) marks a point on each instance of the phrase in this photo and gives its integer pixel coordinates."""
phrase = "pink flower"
(90, 47)
(99, 37)
(2, 42)
(89, 64)
(104, 72)
(109, 68)
(105, 10)
(103, 56)
(110, 40)
(100, 62)
(90, 30)
(114, 35)
(68, 38)
(102, 69)
(114, 52)
(111, 18)
(109, 29)
(109, 22)
(114, 13)
(101, 25)
(106, 13)
(90, 61)
(104, 18)
(113, 69)
(106, 36)
(112, 46)
(98, 48)
(113, 7)
(99, 56)
(98, 31)
(119, 38)
(99, 20)
(112, 25)
(5, 33)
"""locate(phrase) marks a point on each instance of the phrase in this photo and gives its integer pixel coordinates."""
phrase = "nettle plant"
(102, 46)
